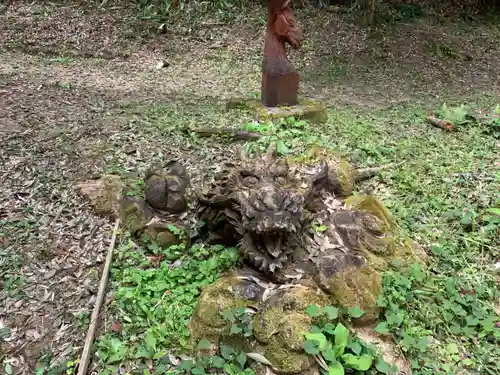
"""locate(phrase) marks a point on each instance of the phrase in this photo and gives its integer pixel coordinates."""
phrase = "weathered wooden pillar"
(280, 80)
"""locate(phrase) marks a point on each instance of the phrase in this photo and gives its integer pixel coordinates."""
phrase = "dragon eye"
(249, 179)
(280, 180)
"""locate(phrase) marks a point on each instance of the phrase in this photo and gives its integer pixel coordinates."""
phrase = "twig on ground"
(367, 173)
(442, 124)
(236, 134)
(84, 360)
(321, 362)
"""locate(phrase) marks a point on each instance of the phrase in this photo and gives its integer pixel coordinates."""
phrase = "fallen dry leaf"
(115, 327)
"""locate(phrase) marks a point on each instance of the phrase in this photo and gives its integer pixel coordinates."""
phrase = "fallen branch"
(237, 134)
(442, 124)
(367, 173)
(321, 362)
(84, 360)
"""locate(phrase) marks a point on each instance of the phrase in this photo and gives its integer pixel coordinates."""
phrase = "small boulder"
(103, 194)
(357, 287)
(279, 320)
(166, 188)
(164, 234)
(225, 294)
(281, 324)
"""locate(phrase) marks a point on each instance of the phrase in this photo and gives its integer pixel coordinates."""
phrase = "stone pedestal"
(307, 109)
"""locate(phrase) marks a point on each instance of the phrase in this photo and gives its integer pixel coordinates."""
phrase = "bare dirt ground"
(66, 73)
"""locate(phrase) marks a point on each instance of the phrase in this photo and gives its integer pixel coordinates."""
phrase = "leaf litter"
(62, 124)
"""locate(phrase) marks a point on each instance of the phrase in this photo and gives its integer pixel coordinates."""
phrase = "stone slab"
(307, 109)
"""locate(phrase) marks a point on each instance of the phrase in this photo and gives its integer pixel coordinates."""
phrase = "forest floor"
(82, 93)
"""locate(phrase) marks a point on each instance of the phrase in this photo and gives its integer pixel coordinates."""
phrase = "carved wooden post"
(280, 80)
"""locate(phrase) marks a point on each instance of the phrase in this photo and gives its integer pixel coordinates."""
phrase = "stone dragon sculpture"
(267, 206)
(302, 234)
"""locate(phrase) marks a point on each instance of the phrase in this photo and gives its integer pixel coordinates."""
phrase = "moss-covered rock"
(227, 293)
(341, 174)
(164, 233)
(382, 244)
(409, 252)
(357, 287)
(139, 219)
(134, 214)
(331, 263)
(281, 325)
(285, 360)
(362, 232)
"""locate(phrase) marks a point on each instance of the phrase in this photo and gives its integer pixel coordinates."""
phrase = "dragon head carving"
(263, 204)
(261, 200)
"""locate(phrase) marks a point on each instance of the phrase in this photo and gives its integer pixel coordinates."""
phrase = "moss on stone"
(409, 253)
(341, 172)
(134, 214)
(346, 176)
(380, 252)
(385, 246)
(266, 322)
(301, 297)
(357, 287)
(371, 205)
(378, 263)
(216, 298)
(293, 332)
(207, 321)
(289, 326)
(198, 330)
(285, 360)
(307, 109)
(281, 326)
(166, 238)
